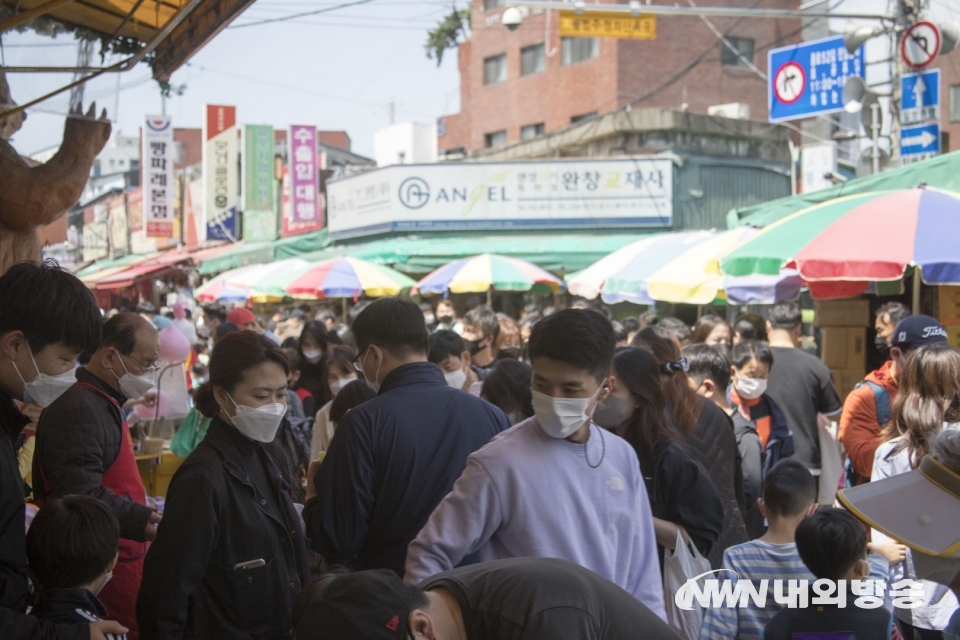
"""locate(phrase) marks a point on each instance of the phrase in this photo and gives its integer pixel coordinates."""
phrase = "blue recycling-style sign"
(807, 79)
(920, 96)
(919, 143)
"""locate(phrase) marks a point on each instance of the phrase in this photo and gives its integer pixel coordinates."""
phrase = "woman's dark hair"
(708, 362)
(293, 358)
(705, 326)
(49, 305)
(291, 343)
(648, 429)
(750, 326)
(230, 360)
(341, 356)
(316, 331)
(683, 402)
(508, 339)
(746, 350)
(351, 396)
(676, 326)
(831, 542)
(508, 387)
(582, 338)
(72, 541)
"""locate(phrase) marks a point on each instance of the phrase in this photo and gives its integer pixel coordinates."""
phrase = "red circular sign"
(789, 82)
(920, 44)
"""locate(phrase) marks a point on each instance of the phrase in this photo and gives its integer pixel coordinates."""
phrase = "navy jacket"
(391, 462)
(830, 621)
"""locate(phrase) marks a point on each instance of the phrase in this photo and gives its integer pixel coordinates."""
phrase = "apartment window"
(531, 60)
(573, 50)
(492, 4)
(495, 69)
(495, 139)
(955, 103)
(583, 117)
(739, 55)
(531, 131)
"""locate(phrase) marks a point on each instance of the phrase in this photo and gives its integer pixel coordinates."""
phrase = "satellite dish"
(865, 162)
(856, 96)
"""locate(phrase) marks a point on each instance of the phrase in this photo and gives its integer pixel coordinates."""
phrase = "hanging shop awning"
(239, 255)
(112, 263)
(151, 268)
(942, 172)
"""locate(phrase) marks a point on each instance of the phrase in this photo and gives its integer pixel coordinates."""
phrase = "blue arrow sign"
(920, 96)
(919, 143)
(807, 79)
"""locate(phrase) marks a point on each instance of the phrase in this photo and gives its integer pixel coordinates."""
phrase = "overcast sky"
(337, 70)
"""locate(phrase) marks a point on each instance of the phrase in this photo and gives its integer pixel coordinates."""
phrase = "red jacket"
(859, 429)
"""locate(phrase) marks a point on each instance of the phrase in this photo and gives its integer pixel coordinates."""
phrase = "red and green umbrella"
(840, 246)
(347, 278)
(478, 274)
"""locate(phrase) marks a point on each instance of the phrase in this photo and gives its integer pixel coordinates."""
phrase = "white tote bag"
(678, 567)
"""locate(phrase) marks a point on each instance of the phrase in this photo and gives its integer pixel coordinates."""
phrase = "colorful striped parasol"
(347, 278)
(479, 274)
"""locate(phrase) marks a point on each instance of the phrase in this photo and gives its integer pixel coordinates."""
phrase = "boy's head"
(833, 545)
(789, 492)
(448, 352)
(709, 373)
(72, 543)
(571, 352)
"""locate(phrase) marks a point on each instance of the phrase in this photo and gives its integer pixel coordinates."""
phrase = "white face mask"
(375, 385)
(561, 417)
(335, 387)
(258, 423)
(750, 388)
(135, 386)
(44, 389)
(313, 356)
(456, 379)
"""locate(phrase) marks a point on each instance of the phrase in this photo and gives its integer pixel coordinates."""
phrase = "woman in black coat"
(230, 557)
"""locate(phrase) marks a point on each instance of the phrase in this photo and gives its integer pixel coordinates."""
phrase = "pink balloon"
(178, 312)
(149, 413)
(174, 346)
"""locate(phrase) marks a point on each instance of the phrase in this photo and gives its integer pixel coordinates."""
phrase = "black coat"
(78, 440)
(219, 513)
(392, 460)
(15, 595)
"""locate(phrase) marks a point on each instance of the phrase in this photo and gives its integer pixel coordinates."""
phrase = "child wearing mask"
(72, 547)
(340, 372)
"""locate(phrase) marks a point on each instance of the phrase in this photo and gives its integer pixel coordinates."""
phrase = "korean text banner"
(259, 216)
(306, 210)
(220, 169)
(575, 194)
(158, 176)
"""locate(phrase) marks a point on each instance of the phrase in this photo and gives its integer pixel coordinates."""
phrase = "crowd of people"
(413, 472)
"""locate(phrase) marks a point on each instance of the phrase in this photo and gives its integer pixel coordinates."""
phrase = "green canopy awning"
(242, 255)
(106, 263)
(942, 172)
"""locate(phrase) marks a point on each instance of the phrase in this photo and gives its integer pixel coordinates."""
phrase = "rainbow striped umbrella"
(218, 289)
(347, 278)
(478, 274)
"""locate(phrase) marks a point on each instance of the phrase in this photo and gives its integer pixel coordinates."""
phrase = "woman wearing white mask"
(340, 372)
(229, 559)
(313, 367)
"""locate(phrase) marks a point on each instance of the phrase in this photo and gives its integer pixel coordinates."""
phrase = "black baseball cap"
(917, 331)
(367, 605)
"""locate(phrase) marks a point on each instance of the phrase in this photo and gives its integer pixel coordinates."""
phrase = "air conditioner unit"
(732, 110)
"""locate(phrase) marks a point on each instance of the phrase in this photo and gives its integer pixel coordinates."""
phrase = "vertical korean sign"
(220, 179)
(158, 176)
(306, 211)
(259, 219)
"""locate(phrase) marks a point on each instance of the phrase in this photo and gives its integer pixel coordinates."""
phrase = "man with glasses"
(84, 447)
(393, 458)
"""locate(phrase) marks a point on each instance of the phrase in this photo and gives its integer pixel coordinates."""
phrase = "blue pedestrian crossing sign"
(919, 143)
(920, 96)
(807, 79)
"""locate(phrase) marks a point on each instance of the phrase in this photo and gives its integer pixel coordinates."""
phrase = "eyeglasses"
(358, 367)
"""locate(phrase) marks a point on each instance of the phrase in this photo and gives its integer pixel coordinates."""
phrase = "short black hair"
(393, 324)
(120, 332)
(746, 350)
(631, 324)
(708, 362)
(352, 395)
(619, 330)
(507, 386)
(750, 326)
(830, 542)
(785, 315)
(358, 308)
(676, 326)
(224, 329)
(443, 344)
(582, 338)
(72, 541)
(323, 314)
(789, 489)
(49, 305)
(145, 306)
(485, 319)
(215, 311)
(896, 311)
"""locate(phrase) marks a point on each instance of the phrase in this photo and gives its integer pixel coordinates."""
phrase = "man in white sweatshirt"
(555, 485)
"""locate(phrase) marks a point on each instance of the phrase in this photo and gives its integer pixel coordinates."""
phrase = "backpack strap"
(881, 398)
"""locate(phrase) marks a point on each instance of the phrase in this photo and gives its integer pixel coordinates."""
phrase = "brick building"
(521, 84)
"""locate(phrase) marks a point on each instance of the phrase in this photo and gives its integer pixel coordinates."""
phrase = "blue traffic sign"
(807, 79)
(919, 143)
(920, 96)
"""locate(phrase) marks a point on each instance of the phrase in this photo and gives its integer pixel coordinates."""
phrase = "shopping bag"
(679, 566)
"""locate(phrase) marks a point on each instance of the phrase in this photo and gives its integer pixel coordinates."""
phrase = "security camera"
(512, 18)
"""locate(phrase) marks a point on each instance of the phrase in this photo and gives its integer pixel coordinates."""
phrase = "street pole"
(875, 124)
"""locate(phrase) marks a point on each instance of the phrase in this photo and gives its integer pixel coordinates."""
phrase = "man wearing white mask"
(84, 448)
(47, 319)
(555, 485)
(448, 352)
